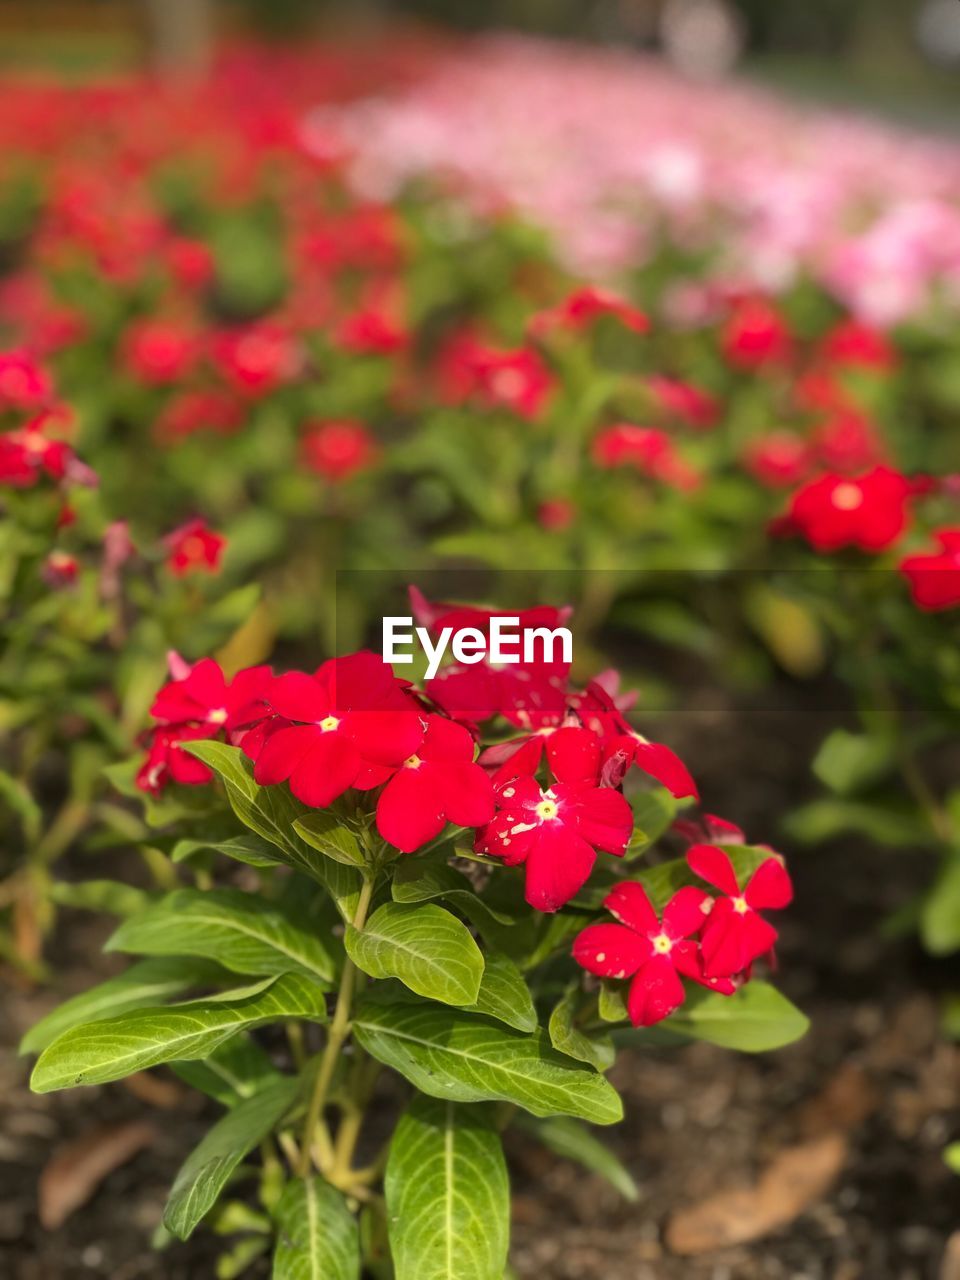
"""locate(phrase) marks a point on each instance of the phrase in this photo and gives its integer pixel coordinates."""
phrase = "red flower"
(556, 514)
(372, 331)
(649, 449)
(348, 725)
(160, 352)
(208, 410)
(439, 783)
(834, 511)
(858, 346)
(191, 262)
(652, 758)
(24, 384)
(60, 569)
(555, 833)
(205, 697)
(685, 402)
(735, 934)
(935, 577)
(585, 305)
(336, 450)
(517, 380)
(28, 454)
(848, 441)
(650, 949)
(166, 762)
(779, 460)
(756, 335)
(194, 547)
(258, 358)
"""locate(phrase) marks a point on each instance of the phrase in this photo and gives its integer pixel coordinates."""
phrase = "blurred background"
(899, 57)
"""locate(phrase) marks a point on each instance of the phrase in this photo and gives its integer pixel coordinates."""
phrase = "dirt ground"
(872, 1090)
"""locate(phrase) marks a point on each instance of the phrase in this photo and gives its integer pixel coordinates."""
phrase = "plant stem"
(339, 1029)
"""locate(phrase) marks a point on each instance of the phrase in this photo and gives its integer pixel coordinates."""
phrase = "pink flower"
(934, 577)
(24, 383)
(685, 402)
(735, 934)
(439, 783)
(60, 569)
(585, 305)
(652, 950)
(194, 547)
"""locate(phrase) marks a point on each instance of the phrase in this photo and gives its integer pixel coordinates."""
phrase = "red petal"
(385, 737)
(574, 754)
(654, 993)
(628, 901)
(558, 865)
(326, 771)
(759, 937)
(687, 960)
(447, 741)
(713, 865)
(282, 752)
(605, 819)
(299, 697)
(769, 886)
(667, 767)
(684, 913)
(466, 793)
(408, 812)
(514, 758)
(610, 950)
(722, 942)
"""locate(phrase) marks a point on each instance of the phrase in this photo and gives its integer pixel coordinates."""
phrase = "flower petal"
(713, 865)
(610, 950)
(326, 770)
(654, 993)
(605, 819)
(667, 767)
(409, 810)
(574, 754)
(298, 696)
(465, 792)
(769, 886)
(684, 913)
(558, 865)
(629, 903)
(282, 751)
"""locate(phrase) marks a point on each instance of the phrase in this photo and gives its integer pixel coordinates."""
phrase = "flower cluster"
(713, 940)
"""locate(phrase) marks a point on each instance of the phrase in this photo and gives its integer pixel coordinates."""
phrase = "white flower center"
(740, 906)
(218, 716)
(662, 945)
(847, 497)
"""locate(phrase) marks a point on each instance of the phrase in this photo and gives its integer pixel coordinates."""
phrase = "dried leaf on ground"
(793, 1181)
(76, 1169)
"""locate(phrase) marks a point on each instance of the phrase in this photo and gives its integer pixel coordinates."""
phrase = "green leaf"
(448, 1195)
(887, 823)
(574, 1141)
(429, 950)
(570, 1039)
(754, 1019)
(847, 762)
(940, 917)
(504, 995)
(951, 1156)
(466, 1058)
(147, 982)
(421, 880)
(343, 884)
(206, 1170)
(250, 850)
(141, 1038)
(237, 1070)
(317, 1236)
(653, 812)
(324, 832)
(110, 896)
(239, 931)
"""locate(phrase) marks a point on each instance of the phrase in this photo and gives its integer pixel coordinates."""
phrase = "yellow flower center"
(740, 906)
(412, 762)
(546, 810)
(662, 945)
(218, 716)
(329, 723)
(847, 497)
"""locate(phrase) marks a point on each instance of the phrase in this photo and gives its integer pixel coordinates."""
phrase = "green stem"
(339, 1030)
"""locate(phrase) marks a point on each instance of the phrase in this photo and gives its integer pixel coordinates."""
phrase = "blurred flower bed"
(682, 349)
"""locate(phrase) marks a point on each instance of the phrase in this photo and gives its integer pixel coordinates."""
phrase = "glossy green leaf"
(249, 849)
(504, 994)
(755, 1019)
(448, 1195)
(568, 1038)
(148, 982)
(467, 1058)
(206, 1170)
(317, 1235)
(324, 832)
(237, 1070)
(574, 1141)
(239, 931)
(426, 948)
(141, 1038)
